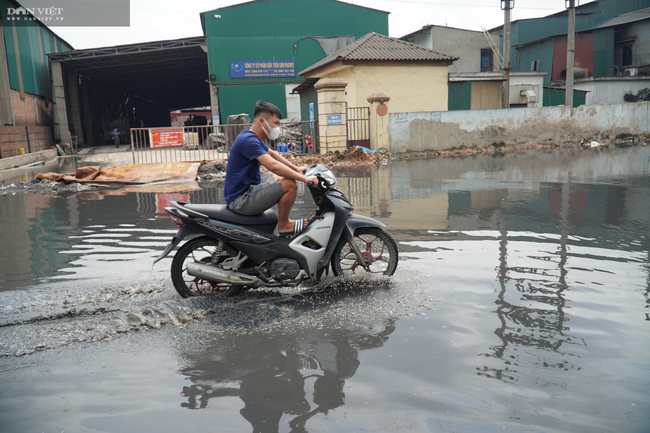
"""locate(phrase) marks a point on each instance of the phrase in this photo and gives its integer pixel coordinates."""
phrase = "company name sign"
(262, 68)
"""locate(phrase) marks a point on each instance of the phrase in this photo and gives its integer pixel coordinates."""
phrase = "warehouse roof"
(374, 47)
(171, 73)
(642, 14)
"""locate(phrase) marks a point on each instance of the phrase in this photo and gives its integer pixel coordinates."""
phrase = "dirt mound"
(359, 156)
(351, 157)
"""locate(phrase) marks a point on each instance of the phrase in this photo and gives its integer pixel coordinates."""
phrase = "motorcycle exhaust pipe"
(212, 273)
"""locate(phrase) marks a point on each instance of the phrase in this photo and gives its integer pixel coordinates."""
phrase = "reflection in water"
(578, 224)
(30, 238)
(299, 370)
(647, 291)
(47, 236)
(464, 193)
(542, 328)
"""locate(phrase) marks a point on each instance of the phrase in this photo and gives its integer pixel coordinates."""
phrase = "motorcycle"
(227, 253)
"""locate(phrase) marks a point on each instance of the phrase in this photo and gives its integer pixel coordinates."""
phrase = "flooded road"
(520, 303)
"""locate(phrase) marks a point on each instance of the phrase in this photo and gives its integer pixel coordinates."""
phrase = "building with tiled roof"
(415, 78)
(372, 77)
(374, 47)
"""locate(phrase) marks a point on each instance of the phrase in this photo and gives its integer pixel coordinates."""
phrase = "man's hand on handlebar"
(311, 181)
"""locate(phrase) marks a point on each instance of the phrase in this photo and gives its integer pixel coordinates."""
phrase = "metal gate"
(358, 126)
(213, 143)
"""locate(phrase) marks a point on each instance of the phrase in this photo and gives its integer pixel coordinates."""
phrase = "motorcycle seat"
(221, 212)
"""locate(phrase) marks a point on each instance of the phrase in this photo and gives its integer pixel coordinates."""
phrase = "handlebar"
(323, 184)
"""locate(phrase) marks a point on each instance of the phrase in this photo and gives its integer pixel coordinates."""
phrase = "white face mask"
(273, 133)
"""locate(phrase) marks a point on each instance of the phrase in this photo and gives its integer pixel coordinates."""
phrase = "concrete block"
(19, 161)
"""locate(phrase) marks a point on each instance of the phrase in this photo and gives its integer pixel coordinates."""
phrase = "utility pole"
(506, 6)
(570, 52)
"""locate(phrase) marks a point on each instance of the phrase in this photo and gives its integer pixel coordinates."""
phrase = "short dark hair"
(263, 107)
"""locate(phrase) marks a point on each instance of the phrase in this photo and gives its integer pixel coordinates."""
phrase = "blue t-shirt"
(243, 169)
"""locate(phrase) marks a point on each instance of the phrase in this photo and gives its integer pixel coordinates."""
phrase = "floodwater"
(520, 304)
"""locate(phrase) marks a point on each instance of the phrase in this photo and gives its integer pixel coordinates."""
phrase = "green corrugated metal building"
(532, 39)
(26, 105)
(27, 46)
(276, 32)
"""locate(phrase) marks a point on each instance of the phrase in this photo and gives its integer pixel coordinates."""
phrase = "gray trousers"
(258, 198)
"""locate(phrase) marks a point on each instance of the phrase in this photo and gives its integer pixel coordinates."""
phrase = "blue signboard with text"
(262, 68)
(334, 119)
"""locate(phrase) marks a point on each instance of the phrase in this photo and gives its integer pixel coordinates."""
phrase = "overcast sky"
(153, 20)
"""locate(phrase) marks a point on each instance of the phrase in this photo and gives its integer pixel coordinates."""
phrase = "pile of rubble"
(44, 186)
(351, 157)
(209, 172)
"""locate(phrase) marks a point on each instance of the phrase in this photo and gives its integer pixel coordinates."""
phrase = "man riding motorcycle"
(246, 192)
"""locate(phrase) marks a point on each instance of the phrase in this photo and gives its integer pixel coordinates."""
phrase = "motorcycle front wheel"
(376, 246)
(206, 251)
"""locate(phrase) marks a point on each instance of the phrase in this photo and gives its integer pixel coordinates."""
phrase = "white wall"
(480, 128)
(610, 90)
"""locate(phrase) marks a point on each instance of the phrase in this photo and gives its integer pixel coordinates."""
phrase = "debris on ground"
(44, 186)
(641, 95)
(351, 157)
(209, 172)
(627, 140)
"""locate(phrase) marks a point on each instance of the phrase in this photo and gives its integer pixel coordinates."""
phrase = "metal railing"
(213, 143)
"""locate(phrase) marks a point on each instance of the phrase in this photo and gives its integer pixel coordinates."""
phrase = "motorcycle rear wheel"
(201, 250)
(375, 245)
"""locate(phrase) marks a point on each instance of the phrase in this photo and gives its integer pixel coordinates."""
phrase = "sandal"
(298, 227)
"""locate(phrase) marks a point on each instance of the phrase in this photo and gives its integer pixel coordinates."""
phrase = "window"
(626, 55)
(487, 63)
